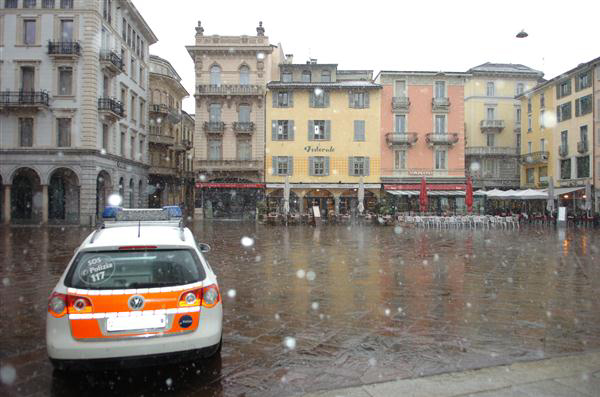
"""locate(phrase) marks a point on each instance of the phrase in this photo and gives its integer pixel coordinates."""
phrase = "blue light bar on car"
(135, 215)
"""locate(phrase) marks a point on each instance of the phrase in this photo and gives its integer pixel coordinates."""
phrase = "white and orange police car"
(137, 288)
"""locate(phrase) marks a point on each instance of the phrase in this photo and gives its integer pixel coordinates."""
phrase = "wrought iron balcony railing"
(159, 108)
(535, 158)
(111, 106)
(64, 48)
(17, 99)
(401, 138)
(112, 61)
(214, 126)
(400, 103)
(243, 127)
(434, 138)
(582, 147)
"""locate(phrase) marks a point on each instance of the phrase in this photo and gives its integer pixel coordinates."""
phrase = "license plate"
(134, 323)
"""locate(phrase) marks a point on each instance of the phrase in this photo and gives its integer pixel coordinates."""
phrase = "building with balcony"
(167, 150)
(422, 136)
(493, 122)
(323, 137)
(231, 77)
(72, 120)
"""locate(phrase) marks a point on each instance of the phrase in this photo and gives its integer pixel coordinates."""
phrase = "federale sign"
(318, 149)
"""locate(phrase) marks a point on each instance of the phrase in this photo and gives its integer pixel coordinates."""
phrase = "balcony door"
(440, 124)
(66, 30)
(214, 113)
(244, 114)
(27, 79)
(491, 113)
(400, 123)
(440, 89)
(400, 88)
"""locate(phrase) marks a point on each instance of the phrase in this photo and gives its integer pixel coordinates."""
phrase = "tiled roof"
(340, 84)
(516, 68)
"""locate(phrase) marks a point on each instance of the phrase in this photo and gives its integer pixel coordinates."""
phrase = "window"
(319, 166)
(518, 142)
(66, 30)
(29, 3)
(583, 105)
(10, 3)
(565, 169)
(543, 174)
(491, 140)
(400, 88)
(529, 105)
(286, 77)
(542, 113)
(282, 130)
(27, 78)
(244, 114)
(359, 130)
(400, 123)
(542, 145)
(214, 149)
(542, 100)
(583, 167)
(64, 132)
(563, 112)
(282, 165)
(530, 175)
(244, 75)
(26, 132)
(319, 98)
(440, 89)
(490, 89)
(132, 108)
(529, 123)
(440, 124)
(65, 80)
(325, 76)
(214, 112)
(66, 4)
(319, 130)
(215, 75)
(47, 3)
(518, 115)
(244, 149)
(105, 137)
(563, 89)
(564, 138)
(132, 69)
(583, 80)
(124, 29)
(107, 10)
(141, 77)
(583, 134)
(283, 99)
(529, 147)
(359, 100)
(520, 88)
(123, 143)
(400, 159)
(440, 159)
(29, 31)
(141, 150)
(306, 76)
(491, 113)
(132, 148)
(129, 35)
(358, 166)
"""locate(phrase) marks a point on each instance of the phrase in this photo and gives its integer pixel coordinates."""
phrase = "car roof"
(167, 235)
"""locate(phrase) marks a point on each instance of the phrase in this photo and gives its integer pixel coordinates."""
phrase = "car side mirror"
(204, 248)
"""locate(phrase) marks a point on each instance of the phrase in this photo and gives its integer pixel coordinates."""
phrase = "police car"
(138, 287)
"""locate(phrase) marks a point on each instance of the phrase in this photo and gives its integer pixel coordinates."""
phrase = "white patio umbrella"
(494, 193)
(531, 194)
(361, 195)
(286, 196)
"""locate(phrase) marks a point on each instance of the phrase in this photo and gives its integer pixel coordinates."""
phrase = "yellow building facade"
(493, 122)
(322, 136)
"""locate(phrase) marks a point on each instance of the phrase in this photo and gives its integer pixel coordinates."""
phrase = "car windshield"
(134, 269)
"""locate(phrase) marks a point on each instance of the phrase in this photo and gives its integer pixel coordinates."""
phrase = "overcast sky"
(450, 35)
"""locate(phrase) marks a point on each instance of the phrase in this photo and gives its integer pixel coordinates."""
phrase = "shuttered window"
(358, 99)
(318, 166)
(359, 166)
(319, 130)
(282, 130)
(283, 165)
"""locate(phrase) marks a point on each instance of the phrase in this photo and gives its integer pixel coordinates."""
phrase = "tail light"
(191, 298)
(210, 296)
(57, 304)
(78, 304)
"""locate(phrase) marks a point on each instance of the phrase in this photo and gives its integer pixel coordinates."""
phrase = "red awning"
(430, 186)
(200, 185)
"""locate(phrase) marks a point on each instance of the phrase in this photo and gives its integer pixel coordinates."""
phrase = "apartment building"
(73, 108)
(422, 136)
(493, 122)
(323, 137)
(231, 77)
(168, 146)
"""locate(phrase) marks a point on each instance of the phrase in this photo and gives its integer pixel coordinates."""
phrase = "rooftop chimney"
(289, 58)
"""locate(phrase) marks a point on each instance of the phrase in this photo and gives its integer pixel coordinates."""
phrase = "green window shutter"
(290, 161)
(326, 166)
(311, 166)
(274, 127)
(274, 165)
(275, 95)
(326, 93)
(366, 99)
(367, 166)
(327, 130)
(311, 130)
(291, 130)
(350, 166)
(291, 99)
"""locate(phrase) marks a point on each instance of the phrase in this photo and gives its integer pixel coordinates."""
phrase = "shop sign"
(318, 149)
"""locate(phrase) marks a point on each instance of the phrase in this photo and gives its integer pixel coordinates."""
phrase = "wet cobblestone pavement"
(332, 307)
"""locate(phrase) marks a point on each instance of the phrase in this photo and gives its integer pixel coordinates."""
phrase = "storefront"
(441, 198)
(229, 200)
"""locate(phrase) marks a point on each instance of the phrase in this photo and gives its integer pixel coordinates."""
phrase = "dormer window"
(306, 76)
(286, 77)
(325, 76)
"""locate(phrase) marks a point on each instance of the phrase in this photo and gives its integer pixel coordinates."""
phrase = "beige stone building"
(169, 143)
(231, 77)
(73, 108)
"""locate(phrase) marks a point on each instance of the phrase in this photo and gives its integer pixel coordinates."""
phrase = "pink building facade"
(423, 136)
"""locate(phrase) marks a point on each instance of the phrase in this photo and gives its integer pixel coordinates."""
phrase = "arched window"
(306, 76)
(215, 75)
(244, 75)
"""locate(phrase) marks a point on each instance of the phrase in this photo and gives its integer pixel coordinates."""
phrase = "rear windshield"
(134, 269)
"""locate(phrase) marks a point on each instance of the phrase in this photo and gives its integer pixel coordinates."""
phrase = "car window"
(134, 269)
